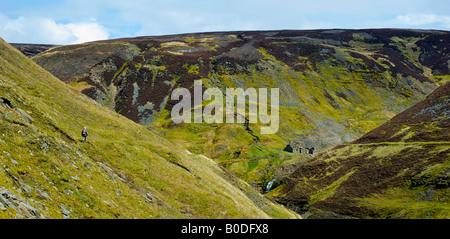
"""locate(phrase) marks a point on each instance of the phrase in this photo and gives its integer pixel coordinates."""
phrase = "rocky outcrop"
(9, 200)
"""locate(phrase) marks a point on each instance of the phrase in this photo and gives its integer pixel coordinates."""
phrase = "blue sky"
(76, 21)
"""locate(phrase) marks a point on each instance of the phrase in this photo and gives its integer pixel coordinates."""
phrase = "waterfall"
(269, 185)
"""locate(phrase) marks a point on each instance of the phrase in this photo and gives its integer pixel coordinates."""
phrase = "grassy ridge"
(123, 171)
(395, 180)
(398, 170)
(323, 106)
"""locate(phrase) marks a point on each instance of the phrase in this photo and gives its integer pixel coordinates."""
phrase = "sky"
(77, 21)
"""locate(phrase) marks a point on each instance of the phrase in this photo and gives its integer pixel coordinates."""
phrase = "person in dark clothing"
(84, 134)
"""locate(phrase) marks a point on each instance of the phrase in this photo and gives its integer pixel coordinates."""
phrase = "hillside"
(398, 170)
(124, 170)
(335, 85)
(31, 50)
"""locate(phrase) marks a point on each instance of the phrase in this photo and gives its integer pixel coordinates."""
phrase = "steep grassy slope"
(399, 170)
(335, 85)
(123, 171)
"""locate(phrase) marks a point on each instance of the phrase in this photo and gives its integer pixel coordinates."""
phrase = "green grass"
(406, 190)
(123, 171)
(329, 93)
(407, 204)
(334, 97)
(330, 189)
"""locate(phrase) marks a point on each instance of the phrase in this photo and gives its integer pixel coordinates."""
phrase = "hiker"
(84, 134)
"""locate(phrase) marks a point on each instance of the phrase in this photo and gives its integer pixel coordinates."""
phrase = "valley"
(362, 130)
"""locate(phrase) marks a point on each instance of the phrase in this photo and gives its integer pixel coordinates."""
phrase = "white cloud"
(86, 32)
(423, 19)
(156, 17)
(46, 30)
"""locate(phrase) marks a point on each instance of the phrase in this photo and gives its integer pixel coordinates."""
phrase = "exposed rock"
(6, 102)
(43, 195)
(64, 212)
(25, 115)
(27, 188)
(10, 200)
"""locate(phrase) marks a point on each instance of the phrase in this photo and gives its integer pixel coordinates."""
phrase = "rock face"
(11, 200)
